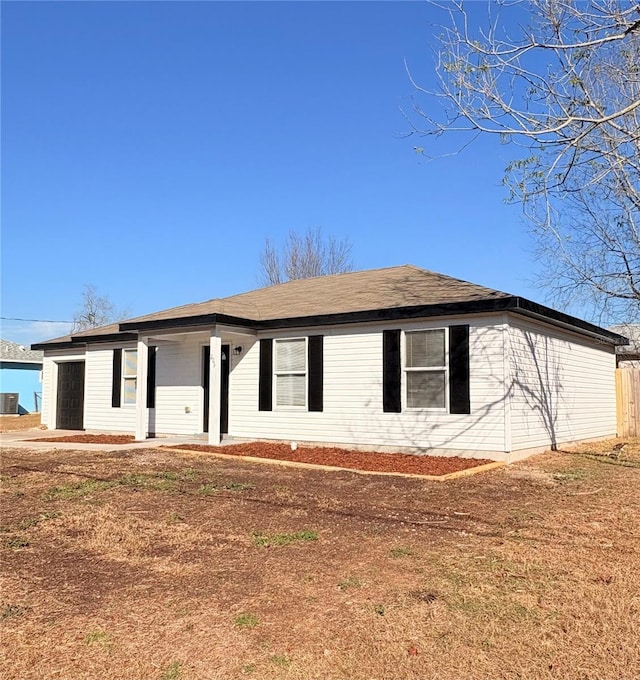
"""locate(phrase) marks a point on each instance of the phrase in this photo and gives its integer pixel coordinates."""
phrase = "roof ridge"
(323, 276)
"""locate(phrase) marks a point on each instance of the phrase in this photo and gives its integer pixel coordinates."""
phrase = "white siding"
(563, 387)
(179, 393)
(353, 395)
(98, 412)
(178, 390)
(47, 407)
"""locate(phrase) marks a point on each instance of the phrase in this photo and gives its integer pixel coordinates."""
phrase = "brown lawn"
(174, 566)
(17, 423)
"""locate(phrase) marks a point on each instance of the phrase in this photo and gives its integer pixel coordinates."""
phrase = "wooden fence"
(628, 401)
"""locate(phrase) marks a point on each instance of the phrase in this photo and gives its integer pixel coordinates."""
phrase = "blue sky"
(150, 148)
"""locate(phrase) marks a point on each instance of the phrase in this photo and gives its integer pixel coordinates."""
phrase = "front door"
(70, 399)
(224, 387)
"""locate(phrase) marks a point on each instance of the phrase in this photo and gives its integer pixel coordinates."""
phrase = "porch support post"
(215, 345)
(142, 417)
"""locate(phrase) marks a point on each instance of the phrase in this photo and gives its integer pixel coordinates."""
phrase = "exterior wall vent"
(9, 403)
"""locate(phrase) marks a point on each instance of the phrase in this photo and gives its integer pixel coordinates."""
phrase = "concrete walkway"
(24, 439)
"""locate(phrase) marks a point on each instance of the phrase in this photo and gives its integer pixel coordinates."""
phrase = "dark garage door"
(70, 402)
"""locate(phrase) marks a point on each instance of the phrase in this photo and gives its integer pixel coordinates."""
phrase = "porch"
(188, 374)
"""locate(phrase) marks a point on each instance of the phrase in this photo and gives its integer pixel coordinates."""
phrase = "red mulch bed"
(90, 439)
(354, 460)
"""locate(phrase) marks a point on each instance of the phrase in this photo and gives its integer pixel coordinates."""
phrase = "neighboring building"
(20, 374)
(628, 356)
(391, 359)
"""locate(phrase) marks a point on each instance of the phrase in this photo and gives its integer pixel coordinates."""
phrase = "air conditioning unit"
(9, 403)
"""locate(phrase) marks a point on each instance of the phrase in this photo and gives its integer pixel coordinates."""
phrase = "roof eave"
(187, 322)
(20, 361)
(541, 312)
(517, 305)
(388, 314)
(67, 344)
(106, 337)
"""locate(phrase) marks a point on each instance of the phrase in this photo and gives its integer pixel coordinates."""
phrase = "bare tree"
(566, 88)
(95, 310)
(303, 256)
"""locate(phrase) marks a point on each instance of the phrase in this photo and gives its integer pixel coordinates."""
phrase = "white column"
(142, 417)
(215, 344)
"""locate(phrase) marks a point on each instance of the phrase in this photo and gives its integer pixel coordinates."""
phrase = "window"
(291, 372)
(426, 368)
(129, 372)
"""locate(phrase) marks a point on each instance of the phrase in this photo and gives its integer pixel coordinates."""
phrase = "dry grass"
(18, 423)
(130, 570)
(624, 452)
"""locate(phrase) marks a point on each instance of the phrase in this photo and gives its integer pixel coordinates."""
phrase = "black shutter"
(265, 379)
(151, 378)
(391, 372)
(316, 372)
(116, 378)
(459, 400)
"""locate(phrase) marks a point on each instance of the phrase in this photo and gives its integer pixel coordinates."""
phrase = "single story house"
(390, 359)
(20, 378)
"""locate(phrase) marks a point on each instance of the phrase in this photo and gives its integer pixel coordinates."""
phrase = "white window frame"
(425, 369)
(126, 377)
(277, 373)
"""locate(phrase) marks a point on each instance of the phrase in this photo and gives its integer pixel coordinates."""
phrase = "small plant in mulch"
(268, 540)
(17, 542)
(247, 620)
(400, 551)
(379, 609)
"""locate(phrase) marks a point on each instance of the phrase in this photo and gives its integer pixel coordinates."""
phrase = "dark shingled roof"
(377, 294)
(390, 288)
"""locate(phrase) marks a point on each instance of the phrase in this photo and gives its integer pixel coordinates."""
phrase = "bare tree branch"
(566, 87)
(303, 256)
(95, 310)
